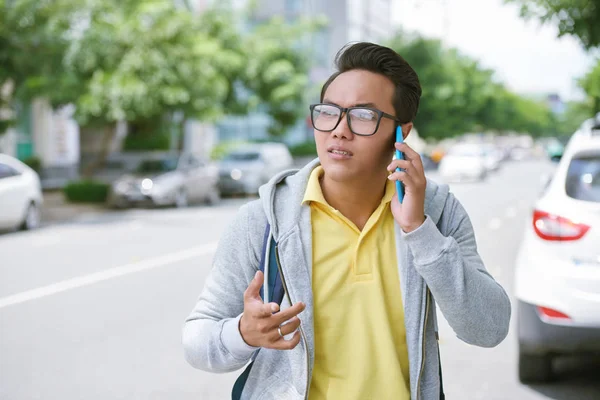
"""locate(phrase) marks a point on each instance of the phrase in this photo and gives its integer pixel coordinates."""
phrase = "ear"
(406, 128)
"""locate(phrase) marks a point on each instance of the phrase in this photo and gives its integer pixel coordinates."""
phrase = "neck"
(356, 199)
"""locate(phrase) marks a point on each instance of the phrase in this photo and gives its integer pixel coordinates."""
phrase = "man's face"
(368, 155)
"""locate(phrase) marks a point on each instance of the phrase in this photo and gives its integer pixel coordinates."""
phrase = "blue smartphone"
(399, 156)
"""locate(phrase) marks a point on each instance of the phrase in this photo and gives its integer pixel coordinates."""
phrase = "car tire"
(181, 198)
(32, 217)
(535, 368)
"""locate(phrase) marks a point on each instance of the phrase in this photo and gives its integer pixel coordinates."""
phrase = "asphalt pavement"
(93, 309)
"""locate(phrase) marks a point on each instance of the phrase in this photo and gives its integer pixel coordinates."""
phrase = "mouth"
(339, 151)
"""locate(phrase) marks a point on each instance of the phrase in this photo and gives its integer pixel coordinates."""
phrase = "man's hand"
(411, 213)
(258, 324)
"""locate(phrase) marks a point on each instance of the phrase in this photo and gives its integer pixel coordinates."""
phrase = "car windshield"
(243, 156)
(583, 178)
(161, 165)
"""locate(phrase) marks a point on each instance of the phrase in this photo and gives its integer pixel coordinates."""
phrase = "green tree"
(273, 78)
(590, 83)
(573, 17)
(461, 96)
(455, 87)
(33, 37)
(575, 113)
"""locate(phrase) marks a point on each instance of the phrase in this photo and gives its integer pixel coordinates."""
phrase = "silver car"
(244, 170)
(167, 180)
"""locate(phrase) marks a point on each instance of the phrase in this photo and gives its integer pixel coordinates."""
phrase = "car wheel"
(535, 368)
(214, 197)
(181, 198)
(32, 218)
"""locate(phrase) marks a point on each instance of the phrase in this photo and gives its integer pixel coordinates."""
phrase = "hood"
(289, 186)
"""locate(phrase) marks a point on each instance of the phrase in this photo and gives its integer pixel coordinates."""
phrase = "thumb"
(253, 290)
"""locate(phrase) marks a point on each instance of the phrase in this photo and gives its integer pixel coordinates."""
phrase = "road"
(93, 309)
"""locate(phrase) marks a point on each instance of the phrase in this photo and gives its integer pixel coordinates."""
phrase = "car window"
(242, 156)
(6, 171)
(161, 165)
(583, 178)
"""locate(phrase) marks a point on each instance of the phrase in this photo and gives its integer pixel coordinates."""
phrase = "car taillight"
(553, 227)
(549, 313)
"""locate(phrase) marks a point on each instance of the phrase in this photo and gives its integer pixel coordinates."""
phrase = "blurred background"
(131, 132)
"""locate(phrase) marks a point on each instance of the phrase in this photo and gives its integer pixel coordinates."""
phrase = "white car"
(557, 276)
(464, 162)
(20, 195)
(246, 169)
(167, 179)
(493, 157)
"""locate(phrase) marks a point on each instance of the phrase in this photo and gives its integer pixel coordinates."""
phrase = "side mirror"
(556, 158)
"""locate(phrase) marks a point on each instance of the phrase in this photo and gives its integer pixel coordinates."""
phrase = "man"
(360, 269)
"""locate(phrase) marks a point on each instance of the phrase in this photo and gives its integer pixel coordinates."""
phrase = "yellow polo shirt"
(360, 337)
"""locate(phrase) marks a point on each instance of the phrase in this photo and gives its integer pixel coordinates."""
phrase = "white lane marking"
(111, 273)
(511, 212)
(495, 224)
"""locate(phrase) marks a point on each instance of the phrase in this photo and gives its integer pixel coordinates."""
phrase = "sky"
(527, 57)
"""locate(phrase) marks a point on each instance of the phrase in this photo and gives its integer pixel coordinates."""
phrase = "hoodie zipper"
(287, 294)
(423, 343)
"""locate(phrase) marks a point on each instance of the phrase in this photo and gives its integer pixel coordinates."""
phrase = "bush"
(304, 149)
(149, 142)
(35, 163)
(86, 191)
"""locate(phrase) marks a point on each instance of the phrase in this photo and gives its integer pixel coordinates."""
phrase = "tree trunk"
(100, 161)
(181, 135)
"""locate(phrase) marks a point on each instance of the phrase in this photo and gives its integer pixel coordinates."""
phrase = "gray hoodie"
(439, 260)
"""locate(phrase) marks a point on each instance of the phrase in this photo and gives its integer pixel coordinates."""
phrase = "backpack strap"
(274, 292)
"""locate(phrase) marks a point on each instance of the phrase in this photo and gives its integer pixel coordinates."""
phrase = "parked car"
(554, 149)
(167, 180)
(557, 276)
(493, 157)
(20, 195)
(465, 161)
(245, 169)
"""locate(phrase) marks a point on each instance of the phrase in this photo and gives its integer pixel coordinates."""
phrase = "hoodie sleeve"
(211, 337)
(474, 304)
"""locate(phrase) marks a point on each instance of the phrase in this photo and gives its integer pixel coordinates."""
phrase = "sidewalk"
(56, 209)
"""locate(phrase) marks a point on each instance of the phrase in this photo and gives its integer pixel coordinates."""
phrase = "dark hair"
(385, 61)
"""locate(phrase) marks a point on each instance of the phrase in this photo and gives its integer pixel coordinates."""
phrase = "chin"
(338, 172)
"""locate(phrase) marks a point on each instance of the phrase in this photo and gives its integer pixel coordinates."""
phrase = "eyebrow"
(355, 105)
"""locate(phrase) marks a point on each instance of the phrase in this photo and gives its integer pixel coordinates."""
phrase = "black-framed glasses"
(362, 121)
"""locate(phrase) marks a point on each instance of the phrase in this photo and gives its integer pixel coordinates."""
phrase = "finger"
(286, 328)
(253, 289)
(283, 344)
(403, 177)
(289, 313)
(260, 310)
(291, 326)
(412, 156)
(409, 153)
(417, 174)
(403, 164)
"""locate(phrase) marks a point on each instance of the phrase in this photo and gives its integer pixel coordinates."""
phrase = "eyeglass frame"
(347, 110)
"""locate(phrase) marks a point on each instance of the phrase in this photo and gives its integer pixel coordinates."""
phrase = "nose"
(342, 130)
